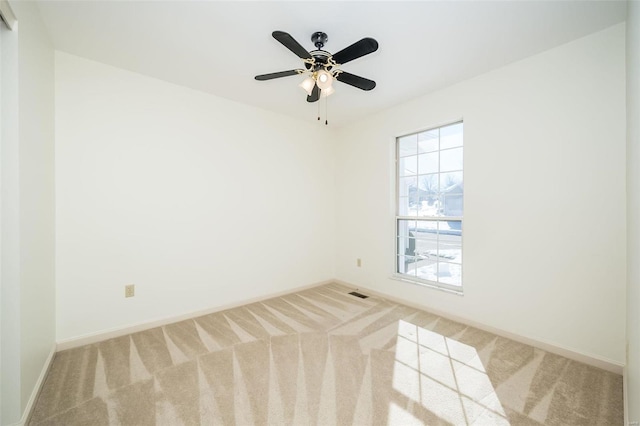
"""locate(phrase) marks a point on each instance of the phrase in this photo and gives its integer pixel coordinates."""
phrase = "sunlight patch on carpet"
(445, 377)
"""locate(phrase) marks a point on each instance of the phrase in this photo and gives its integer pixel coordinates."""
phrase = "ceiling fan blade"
(356, 50)
(315, 94)
(273, 75)
(356, 81)
(291, 44)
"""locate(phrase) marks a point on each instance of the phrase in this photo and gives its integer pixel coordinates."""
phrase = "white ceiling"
(218, 47)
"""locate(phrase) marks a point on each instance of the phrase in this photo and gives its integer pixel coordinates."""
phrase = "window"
(429, 205)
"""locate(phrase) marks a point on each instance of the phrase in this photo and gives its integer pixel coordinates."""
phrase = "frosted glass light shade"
(327, 92)
(307, 85)
(324, 79)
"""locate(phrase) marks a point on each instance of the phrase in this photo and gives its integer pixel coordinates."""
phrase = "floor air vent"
(360, 295)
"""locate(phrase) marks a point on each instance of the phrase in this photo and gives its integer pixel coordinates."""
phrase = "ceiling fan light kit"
(321, 67)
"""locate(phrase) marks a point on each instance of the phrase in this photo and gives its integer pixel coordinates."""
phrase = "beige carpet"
(322, 357)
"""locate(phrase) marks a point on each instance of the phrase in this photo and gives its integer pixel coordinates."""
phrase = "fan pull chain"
(318, 109)
(326, 111)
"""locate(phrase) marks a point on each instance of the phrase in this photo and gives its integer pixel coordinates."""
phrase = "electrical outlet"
(359, 263)
(129, 290)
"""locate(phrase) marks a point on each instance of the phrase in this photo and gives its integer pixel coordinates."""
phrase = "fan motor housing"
(321, 58)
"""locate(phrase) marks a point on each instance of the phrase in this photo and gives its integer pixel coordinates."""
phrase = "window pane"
(428, 189)
(452, 205)
(407, 246)
(406, 228)
(428, 141)
(450, 273)
(408, 145)
(428, 163)
(403, 206)
(408, 166)
(451, 182)
(407, 186)
(407, 265)
(427, 239)
(451, 159)
(414, 206)
(451, 136)
(450, 242)
(426, 229)
(428, 270)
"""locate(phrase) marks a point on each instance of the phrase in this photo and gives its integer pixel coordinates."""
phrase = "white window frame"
(457, 289)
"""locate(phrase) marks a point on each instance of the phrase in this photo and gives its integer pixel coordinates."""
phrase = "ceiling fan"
(321, 67)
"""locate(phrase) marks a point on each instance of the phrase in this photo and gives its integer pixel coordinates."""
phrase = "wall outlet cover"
(129, 290)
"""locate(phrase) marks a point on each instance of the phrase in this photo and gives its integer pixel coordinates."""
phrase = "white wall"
(544, 230)
(633, 211)
(28, 227)
(9, 235)
(198, 201)
(37, 224)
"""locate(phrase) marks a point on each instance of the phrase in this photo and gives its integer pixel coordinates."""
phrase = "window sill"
(428, 284)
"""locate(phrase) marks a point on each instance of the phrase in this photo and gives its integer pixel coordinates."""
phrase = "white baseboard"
(36, 389)
(592, 360)
(572, 354)
(99, 336)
